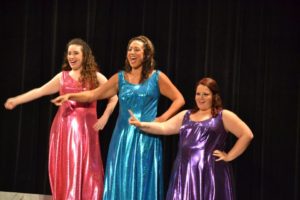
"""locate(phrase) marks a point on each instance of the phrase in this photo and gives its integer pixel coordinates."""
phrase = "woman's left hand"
(221, 155)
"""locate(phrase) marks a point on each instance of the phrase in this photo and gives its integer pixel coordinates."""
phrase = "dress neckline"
(68, 73)
(200, 121)
(137, 84)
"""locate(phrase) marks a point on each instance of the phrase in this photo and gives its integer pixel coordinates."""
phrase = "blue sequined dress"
(134, 160)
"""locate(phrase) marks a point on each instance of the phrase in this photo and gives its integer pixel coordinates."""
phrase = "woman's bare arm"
(236, 126)
(50, 87)
(107, 90)
(168, 89)
(111, 104)
(168, 127)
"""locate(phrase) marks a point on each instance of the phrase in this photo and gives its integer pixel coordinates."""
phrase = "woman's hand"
(58, 101)
(100, 124)
(221, 155)
(10, 104)
(133, 120)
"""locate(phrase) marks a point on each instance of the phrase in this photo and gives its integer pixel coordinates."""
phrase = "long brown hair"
(212, 85)
(89, 66)
(148, 62)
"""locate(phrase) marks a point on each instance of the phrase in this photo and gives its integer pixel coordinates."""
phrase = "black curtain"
(250, 47)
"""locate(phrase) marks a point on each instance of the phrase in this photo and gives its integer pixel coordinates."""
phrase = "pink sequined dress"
(75, 165)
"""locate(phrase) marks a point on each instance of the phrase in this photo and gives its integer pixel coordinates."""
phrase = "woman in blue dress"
(134, 161)
(201, 170)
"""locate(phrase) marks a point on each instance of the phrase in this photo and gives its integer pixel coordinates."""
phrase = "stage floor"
(23, 196)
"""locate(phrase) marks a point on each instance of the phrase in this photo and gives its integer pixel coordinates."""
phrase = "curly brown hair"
(89, 66)
(148, 62)
(212, 85)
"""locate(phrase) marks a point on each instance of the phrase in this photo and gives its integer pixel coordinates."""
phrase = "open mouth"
(132, 60)
(72, 62)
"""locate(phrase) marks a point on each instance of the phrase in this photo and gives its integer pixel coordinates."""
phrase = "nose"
(131, 51)
(202, 95)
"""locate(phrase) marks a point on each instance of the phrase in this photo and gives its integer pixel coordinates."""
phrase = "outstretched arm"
(237, 127)
(168, 89)
(169, 127)
(50, 87)
(112, 102)
(107, 90)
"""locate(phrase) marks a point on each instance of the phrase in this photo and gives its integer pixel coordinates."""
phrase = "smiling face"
(75, 56)
(203, 97)
(135, 54)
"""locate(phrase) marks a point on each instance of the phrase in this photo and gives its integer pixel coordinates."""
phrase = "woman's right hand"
(10, 104)
(133, 120)
(58, 101)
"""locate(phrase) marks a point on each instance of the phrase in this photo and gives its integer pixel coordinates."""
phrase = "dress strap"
(157, 72)
(220, 114)
(120, 77)
(64, 75)
(186, 116)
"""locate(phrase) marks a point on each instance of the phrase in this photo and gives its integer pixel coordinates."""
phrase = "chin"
(136, 67)
(75, 67)
(203, 108)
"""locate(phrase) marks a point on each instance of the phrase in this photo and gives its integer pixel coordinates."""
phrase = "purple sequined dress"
(196, 174)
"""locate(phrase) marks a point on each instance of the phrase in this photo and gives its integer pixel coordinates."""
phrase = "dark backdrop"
(250, 47)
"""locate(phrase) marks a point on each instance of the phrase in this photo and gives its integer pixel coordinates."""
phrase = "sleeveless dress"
(75, 165)
(196, 174)
(134, 161)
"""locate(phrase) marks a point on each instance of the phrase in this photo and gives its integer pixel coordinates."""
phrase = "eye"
(202, 94)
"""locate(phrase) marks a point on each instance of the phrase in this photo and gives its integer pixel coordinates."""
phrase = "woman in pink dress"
(75, 165)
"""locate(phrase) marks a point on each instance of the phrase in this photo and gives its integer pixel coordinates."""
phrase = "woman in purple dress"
(201, 169)
(75, 165)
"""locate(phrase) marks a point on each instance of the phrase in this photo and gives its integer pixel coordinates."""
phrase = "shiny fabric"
(196, 174)
(134, 161)
(75, 165)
